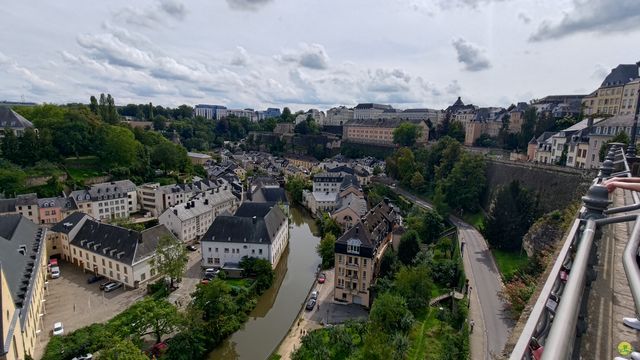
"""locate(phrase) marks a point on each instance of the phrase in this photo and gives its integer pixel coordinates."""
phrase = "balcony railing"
(557, 317)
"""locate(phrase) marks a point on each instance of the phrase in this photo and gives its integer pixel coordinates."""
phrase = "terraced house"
(106, 201)
(23, 273)
(358, 253)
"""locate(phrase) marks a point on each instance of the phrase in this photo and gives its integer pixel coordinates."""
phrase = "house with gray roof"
(106, 201)
(259, 230)
(115, 252)
(22, 279)
(13, 121)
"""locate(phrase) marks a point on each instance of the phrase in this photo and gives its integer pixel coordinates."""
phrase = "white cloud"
(251, 5)
(312, 56)
(153, 16)
(240, 57)
(596, 16)
(470, 55)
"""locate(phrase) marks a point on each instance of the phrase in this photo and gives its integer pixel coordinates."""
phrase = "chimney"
(254, 219)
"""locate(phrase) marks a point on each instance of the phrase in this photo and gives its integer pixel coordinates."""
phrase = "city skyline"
(302, 54)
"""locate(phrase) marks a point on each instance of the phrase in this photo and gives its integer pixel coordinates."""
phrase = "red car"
(321, 278)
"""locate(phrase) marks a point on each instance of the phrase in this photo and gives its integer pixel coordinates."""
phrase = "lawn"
(82, 174)
(509, 262)
(239, 282)
(83, 168)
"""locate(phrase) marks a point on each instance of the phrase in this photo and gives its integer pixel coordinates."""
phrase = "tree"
(111, 113)
(118, 147)
(390, 314)
(260, 269)
(12, 179)
(409, 247)
(168, 156)
(406, 134)
(295, 185)
(151, 317)
(510, 216)
(28, 148)
(328, 225)
(171, 258)
(377, 170)
(620, 137)
(159, 123)
(444, 272)
(10, 146)
(431, 226)
(417, 181)
(326, 250)
(122, 349)
(93, 104)
(528, 127)
(389, 263)
(414, 284)
(102, 108)
(466, 182)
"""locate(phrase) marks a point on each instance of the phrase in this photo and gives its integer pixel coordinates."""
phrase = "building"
(301, 161)
(349, 211)
(358, 252)
(329, 188)
(259, 230)
(53, 210)
(24, 204)
(284, 128)
(379, 131)
(338, 116)
(246, 113)
(432, 115)
(207, 111)
(13, 121)
(106, 201)
(117, 253)
(268, 114)
(604, 131)
(368, 111)
(538, 145)
(484, 121)
(317, 116)
(23, 274)
(198, 158)
(156, 198)
(618, 93)
(190, 220)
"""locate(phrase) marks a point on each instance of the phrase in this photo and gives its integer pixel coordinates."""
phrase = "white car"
(58, 329)
(55, 272)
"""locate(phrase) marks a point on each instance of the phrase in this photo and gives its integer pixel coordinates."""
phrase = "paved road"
(492, 322)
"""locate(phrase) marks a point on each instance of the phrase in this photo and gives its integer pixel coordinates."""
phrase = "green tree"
(93, 104)
(12, 179)
(328, 225)
(171, 258)
(406, 134)
(159, 123)
(388, 263)
(456, 131)
(377, 170)
(326, 250)
(528, 127)
(417, 181)
(122, 349)
(512, 212)
(28, 148)
(295, 185)
(432, 225)
(465, 184)
(444, 272)
(10, 146)
(111, 113)
(118, 147)
(260, 269)
(168, 156)
(102, 108)
(390, 314)
(221, 312)
(409, 247)
(620, 137)
(152, 317)
(414, 285)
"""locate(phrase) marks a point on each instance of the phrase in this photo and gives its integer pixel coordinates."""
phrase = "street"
(492, 322)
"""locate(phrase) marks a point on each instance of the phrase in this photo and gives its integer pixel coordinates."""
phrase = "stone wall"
(556, 186)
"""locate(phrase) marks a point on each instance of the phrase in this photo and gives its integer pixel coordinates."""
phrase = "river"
(278, 307)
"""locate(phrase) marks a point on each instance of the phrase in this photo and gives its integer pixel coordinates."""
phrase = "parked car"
(191, 248)
(213, 271)
(53, 262)
(209, 276)
(114, 285)
(314, 295)
(55, 272)
(104, 284)
(94, 278)
(83, 357)
(58, 329)
(311, 304)
(321, 278)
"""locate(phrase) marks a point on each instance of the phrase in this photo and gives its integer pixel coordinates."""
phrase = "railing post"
(596, 201)
(606, 169)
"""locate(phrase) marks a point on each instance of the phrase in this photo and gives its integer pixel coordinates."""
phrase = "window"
(111, 273)
(364, 275)
(125, 269)
(260, 251)
(117, 267)
(209, 260)
(110, 265)
(340, 259)
(216, 261)
(226, 250)
(143, 276)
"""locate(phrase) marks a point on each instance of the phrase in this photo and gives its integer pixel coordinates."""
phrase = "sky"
(312, 53)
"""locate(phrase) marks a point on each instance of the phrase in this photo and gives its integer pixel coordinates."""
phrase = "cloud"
(312, 56)
(250, 5)
(596, 16)
(524, 17)
(600, 72)
(152, 16)
(241, 57)
(36, 83)
(453, 88)
(471, 55)
(108, 47)
(448, 4)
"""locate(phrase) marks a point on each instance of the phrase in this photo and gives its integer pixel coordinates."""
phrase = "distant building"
(24, 204)
(338, 116)
(370, 111)
(259, 230)
(53, 210)
(317, 116)
(380, 131)
(13, 121)
(284, 128)
(106, 201)
(207, 111)
(23, 273)
(358, 253)
(246, 113)
(156, 198)
(198, 158)
(328, 190)
(190, 220)
(117, 253)
(618, 93)
(268, 114)
(485, 121)
(302, 161)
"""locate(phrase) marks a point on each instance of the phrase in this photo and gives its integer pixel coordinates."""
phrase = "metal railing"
(556, 318)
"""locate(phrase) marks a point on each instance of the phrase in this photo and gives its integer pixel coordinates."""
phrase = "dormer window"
(353, 246)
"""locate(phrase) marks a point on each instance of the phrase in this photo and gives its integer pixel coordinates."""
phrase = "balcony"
(593, 288)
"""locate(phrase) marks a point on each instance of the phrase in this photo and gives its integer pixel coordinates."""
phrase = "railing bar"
(631, 265)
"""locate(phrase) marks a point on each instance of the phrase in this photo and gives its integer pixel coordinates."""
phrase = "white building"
(156, 198)
(246, 113)
(370, 111)
(117, 253)
(105, 201)
(190, 220)
(338, 116)
(317, 116)
(259, 230)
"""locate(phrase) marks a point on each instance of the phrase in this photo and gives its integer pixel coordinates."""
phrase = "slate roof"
(371, 230)
(7, 206)
(363, 106)
(243, 228)
(356, 203)
(621, 75)
(200, 204)
(68, 223)
(21, 244)
(117, 243)
(57, 202)
(11, 119)
(104, 191)
(272, 195)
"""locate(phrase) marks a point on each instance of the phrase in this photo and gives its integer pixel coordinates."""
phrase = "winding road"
(492, 322)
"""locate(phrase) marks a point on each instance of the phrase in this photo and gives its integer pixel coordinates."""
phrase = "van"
(55, 272)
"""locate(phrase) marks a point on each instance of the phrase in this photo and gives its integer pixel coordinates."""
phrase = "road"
(492, 322)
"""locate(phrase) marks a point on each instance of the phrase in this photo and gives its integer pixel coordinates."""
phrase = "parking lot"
(76, 304)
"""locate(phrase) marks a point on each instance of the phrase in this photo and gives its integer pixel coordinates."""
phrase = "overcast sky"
(312, 53)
